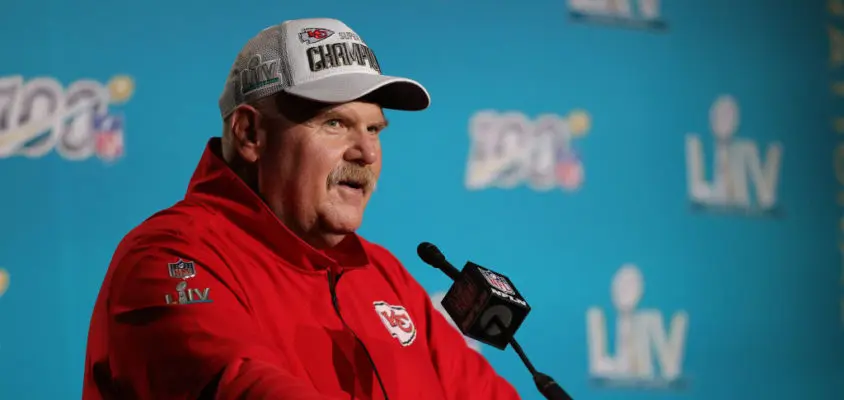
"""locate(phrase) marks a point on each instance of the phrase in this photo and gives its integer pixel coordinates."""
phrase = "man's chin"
(344, 220)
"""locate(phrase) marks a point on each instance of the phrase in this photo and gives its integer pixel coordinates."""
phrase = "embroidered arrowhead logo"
(397, 321)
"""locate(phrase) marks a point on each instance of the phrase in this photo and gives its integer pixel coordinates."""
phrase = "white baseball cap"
(319, 59)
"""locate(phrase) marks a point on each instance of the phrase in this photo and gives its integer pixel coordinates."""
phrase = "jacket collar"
(214, 184)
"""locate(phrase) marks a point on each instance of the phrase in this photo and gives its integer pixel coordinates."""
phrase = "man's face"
(318, 172)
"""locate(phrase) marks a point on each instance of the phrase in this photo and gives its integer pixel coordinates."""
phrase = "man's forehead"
(354, 108)
(300, 110)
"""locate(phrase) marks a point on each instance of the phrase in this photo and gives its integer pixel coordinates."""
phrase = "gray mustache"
(354, 174)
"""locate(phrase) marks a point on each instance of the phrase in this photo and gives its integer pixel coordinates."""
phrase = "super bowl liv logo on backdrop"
(437, 299)
(641, 14)
(509, 149)
(39, 116)
(734, 161)
(639, 335)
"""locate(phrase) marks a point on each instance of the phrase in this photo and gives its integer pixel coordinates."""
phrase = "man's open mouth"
(352, 184)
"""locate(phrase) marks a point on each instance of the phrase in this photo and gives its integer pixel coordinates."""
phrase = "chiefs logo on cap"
(397, 321)
(313, 35)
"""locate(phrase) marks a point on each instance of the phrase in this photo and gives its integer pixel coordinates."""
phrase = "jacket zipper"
(332, 286)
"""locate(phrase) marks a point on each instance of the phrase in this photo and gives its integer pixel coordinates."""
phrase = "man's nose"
(364, 151)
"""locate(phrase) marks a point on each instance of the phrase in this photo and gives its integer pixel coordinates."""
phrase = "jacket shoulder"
(389, 265)
(180, 228)
(171, 236)
(182, 220)
(379, 254)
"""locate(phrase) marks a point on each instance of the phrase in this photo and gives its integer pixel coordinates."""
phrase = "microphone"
(486, 307)
(482, 303)
(432, 256)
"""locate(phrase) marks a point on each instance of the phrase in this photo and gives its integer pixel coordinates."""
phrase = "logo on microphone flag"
(497, 281)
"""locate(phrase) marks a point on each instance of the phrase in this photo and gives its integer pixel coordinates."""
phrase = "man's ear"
(247, 132)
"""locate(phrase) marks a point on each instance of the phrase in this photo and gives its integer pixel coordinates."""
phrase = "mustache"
(353, 175)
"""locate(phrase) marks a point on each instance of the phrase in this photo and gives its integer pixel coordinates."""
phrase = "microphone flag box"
(485, 305)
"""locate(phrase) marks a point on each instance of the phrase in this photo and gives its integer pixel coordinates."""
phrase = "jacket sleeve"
(464, 373)
(206, 347)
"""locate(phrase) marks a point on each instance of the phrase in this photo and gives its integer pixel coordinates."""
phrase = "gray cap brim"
(389, 92)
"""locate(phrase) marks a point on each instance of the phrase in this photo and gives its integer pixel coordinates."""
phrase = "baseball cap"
(319, 59)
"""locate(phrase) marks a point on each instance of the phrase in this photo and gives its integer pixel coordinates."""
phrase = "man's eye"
(334, 123)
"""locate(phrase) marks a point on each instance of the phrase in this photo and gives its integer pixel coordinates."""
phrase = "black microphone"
(432, 256)
(482, 303)
(486, 307)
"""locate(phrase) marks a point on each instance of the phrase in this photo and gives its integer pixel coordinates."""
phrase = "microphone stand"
(546, 384)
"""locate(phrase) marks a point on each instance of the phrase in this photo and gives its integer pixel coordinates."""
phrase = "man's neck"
(319, 240)
(244, 171)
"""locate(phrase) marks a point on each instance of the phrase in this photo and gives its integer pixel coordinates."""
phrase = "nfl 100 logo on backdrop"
(744, 174)
(40, 115)
(508, 150)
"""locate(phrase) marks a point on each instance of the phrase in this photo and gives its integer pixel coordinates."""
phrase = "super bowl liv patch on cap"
(319, 59)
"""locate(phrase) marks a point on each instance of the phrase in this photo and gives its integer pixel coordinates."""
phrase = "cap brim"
(388, 91)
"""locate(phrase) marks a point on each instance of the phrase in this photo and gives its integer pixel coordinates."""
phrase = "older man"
(255, 286)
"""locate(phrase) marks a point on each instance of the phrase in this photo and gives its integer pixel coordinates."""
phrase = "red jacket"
(215, 298)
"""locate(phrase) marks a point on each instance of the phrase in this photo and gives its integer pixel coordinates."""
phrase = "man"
(255, 286)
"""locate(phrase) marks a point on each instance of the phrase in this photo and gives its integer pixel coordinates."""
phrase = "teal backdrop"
(657, 178)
